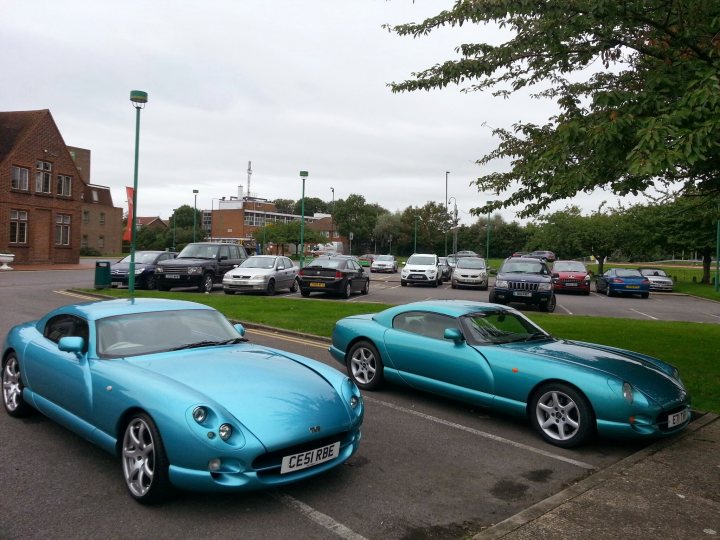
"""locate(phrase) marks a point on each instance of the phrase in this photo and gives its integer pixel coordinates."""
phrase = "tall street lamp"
(454, 224)
(174, 220)
(446, 208)
(487, 241)
(138, 99)
(332, 214)
(303, 175)
(195, 192)
(415, 243)
(717, 252)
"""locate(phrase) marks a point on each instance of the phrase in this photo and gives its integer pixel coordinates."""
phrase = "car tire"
(608, 292)
(493, 299)
(294, 286)
(561, 415)
(366, 288)
(435, 284)
(403, 283)
(347, 291)
(304, 292)
(549, 306)
(270, 289)
(12, 388)
(364, 365)
(207, 283)
(453, 285)
(144, 462)
(645, 295)
(150, 283)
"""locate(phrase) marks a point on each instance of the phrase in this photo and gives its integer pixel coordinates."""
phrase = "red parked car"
(571, 276)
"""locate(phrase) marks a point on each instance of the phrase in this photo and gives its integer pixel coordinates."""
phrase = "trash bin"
(102, 274)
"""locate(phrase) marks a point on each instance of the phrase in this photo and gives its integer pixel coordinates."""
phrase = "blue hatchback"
(617, 281)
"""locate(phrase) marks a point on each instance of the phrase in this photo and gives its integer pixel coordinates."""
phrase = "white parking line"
(711, 315)
(566, 309)
(482, 433)
(644, 314)
(76, 295)
(318, 517)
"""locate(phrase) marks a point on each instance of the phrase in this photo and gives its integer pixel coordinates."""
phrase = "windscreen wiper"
(198, 344)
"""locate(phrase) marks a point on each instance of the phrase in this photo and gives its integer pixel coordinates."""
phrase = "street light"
(415, 243)
(174, 220)
(332, 214)
(487, 241)
(446, 208)
(454, 223)
(138, 99)
(717, 252)
(195, 192)
(303, 175)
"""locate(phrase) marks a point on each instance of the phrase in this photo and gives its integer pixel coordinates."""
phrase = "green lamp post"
(195, 192)
(303, 175)
(138, 99)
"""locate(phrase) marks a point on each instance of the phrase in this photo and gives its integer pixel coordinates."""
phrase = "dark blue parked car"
(145, 262)
(524, 280)
(617, 281)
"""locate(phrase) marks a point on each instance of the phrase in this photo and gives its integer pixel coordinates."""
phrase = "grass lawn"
(692, 347)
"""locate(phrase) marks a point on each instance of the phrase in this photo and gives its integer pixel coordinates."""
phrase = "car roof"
(452, 308)
(111, 308)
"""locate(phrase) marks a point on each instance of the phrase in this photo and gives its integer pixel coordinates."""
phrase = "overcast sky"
(287, 85)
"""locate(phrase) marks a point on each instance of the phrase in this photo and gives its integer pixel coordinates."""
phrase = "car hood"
(185, 261)
(574, 275)
(250, 272)
(517, 276)
(275, 397)
(419, 267)
(642, 372)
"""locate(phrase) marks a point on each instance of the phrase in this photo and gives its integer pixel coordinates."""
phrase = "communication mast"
(249, 171)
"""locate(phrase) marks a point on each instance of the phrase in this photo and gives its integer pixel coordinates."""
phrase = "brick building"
(43, 191)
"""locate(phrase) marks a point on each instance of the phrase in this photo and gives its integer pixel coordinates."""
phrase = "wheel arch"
(122, 423)
(575, 387)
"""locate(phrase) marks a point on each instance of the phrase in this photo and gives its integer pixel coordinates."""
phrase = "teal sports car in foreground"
(172, 388)
(493, 356)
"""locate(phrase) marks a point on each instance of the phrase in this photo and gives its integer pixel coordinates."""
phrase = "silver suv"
(421, 268)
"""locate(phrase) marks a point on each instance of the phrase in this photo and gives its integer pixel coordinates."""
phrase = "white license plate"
(571, 284)
(172, 276)
(522, 293)
(311, 458)
(116, 283)
(677, 418)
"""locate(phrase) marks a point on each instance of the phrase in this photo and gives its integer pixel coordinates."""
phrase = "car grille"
(418, 276)
(523, 285)
(269, 464)
(175, 269)
(565, 281)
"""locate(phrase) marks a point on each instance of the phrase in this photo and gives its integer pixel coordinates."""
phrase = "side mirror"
(240, 328)
(455, 335)
(72, 344)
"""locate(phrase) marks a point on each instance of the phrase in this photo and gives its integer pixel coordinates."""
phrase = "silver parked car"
(265, 273)
(384, 263)
(470, 272)
(659, 280)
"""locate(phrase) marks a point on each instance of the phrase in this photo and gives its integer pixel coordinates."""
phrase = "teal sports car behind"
(493, 356)
(172, 388)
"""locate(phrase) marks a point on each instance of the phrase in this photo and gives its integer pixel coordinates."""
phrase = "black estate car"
(200, 265)
(336, 274)
(524, 280)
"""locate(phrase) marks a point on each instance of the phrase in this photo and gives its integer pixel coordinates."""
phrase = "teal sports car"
(493, 356)
(173, 389)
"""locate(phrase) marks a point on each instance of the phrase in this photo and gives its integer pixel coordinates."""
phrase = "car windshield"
(159, 331)
(571, 266)
(523, 267)
(388, 258)
(421, 260)
(653, 272)
(499, 327)
(198, 251)
(141, 257)
(258, 262)
(626, 272)
(471, 262)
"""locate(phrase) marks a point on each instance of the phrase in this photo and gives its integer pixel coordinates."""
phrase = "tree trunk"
(707, 262)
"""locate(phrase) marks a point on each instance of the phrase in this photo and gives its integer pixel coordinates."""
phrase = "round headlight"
(199, 414)
(225, 431)
(627, 392)
(354, 400)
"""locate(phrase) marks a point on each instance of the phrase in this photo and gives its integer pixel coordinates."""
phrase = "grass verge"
(691, 347)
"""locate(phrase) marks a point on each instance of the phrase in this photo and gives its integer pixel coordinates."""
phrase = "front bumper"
(469, 281)
(246, 285)
(525, 297)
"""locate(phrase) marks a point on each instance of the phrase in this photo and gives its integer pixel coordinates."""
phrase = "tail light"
(338, 274)
(301, 272)
(617, 280)
(645, 281)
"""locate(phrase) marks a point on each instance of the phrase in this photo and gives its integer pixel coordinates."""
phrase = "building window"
(18, 226)
(101, 242)
(64, 185)
(62, 230)
(84, 241)
(102, 218)
(20, 177)
(86, 217)
(43, 176)
(95, 197)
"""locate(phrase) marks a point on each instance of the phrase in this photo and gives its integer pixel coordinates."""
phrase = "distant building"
(43, 193)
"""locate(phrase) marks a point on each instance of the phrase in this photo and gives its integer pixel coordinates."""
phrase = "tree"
(354, 215)
(635, 82)
(313, 205)
(284, 206)
(387, 230)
